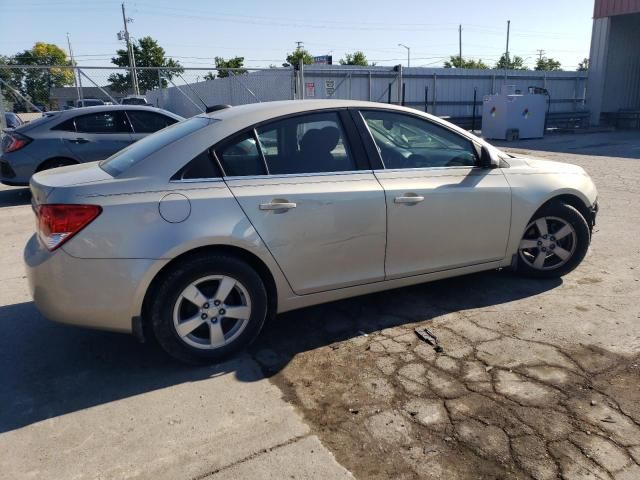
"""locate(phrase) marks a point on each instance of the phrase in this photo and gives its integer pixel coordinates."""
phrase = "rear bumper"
(17, 171)
(95, 293)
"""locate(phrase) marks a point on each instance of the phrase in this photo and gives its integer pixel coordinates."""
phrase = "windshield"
(124, 159)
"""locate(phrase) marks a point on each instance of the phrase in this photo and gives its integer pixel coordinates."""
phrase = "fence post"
(3, 121)
(301, 70)
(493, 84)
(370, 87)
(160, 99)
(403, 92)
(389, 93)
(426, 99)
(473, 117)
(399, 83)
(434, 102)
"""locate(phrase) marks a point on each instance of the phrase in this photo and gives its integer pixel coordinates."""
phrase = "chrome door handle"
(277, 206)
(79, 140)
(409, 199)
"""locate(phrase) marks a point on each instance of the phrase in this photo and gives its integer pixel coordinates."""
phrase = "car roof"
(62, 115)
(253, 113)
(110, 108)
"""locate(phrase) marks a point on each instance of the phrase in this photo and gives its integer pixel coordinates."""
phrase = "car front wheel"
(208, 308)
(554, 243)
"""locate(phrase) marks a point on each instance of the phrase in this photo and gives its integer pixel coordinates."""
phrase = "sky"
(195, 31)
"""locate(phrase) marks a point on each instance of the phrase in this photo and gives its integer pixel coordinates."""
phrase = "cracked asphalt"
(537, 379)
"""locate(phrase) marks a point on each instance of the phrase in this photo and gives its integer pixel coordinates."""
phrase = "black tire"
(582, 240)
(55, 163)
(182, 275)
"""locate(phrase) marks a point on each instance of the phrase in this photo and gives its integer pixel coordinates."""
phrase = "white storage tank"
(509, 115)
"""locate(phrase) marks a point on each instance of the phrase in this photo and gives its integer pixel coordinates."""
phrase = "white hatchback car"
(197, 234)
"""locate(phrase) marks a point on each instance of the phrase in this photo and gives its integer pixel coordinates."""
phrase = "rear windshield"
(122, 160)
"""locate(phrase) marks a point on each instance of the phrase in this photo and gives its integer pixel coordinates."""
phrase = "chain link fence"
(452, 93)
(186, 91)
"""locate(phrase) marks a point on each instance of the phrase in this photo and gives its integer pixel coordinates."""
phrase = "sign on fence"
(310, 89)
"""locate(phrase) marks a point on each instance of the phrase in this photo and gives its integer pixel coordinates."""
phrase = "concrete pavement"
(81, 404)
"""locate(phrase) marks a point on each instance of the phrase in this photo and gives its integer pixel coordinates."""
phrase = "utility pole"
(299, 45)
(132, 58)
(76, 75)
(460, 41)
(507, 52)
(541, 54)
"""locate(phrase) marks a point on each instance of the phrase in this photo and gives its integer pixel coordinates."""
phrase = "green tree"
(295, 57)
(514, 63)
(547, 64)
(6, 75)
(223, 65)
(356, 58)
(583, 66)
(148, 53)
(456, 62)
(37, 83)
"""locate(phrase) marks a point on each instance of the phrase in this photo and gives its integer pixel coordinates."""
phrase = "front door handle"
(277, 205)
(409, 199)
(79, 140)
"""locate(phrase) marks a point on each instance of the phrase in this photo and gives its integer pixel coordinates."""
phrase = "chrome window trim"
(297, 175)
(198, 180)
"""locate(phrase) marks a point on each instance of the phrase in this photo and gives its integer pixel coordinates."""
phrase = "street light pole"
(408, 54)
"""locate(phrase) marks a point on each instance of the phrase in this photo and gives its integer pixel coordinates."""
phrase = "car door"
(144, 122)
(443, 210)
(305, 186)
(96, 136)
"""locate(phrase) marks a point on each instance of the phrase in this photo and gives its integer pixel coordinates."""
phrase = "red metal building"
(609, 8)
(614, 69)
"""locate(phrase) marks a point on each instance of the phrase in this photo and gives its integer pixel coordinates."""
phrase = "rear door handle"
(409, 199)
(79, 140)
(276, 205)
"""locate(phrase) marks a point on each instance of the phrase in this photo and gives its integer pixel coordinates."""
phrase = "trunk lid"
(43, 183)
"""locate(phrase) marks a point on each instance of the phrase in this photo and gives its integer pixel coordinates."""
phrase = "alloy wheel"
(548, 243)
(212, 312)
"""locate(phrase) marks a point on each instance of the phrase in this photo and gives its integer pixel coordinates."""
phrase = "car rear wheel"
(554, 243)
(208, 308)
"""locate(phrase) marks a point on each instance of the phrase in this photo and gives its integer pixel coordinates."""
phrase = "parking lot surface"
(85, 404)
(536, 379)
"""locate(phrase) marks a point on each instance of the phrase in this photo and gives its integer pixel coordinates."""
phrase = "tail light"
(14, 141)
(59, 223)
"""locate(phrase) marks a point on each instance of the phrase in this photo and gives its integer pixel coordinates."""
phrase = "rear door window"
(240, 156)
(102, 122)
(312, 143)
(148, 122)
(202, 167)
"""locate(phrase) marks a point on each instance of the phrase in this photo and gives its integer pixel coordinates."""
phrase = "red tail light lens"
(59, 223)
(14, 141)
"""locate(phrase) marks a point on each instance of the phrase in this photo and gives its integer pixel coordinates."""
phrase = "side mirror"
(487, 159)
